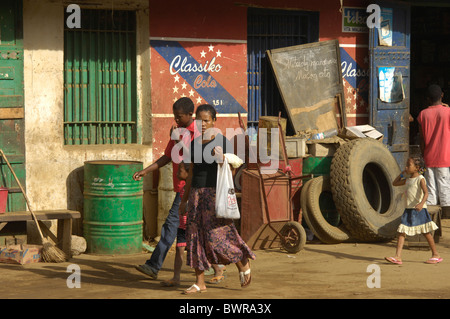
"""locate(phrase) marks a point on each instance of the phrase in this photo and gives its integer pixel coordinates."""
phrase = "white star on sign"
(175, 89)
(219, 53)
(203, 54)
(349, 89)
(349, 100)
(176, 78)
(191, 92)
(211, 47)
(183, 86)
(199, 100)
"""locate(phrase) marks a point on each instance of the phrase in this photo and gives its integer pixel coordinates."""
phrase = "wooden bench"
(64, 226)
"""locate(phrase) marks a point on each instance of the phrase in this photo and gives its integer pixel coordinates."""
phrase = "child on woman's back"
(415, 219)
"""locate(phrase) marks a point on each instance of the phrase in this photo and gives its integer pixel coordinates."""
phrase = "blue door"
(391, 118)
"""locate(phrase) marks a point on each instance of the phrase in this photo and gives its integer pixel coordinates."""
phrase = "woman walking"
(210, 240)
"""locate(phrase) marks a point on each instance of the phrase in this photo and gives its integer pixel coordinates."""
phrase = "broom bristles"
(52, 254)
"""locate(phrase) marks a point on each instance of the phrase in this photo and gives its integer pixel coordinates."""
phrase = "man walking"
(183, 110)
(435, 144)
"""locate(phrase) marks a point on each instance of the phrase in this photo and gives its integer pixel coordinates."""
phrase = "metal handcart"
(267, 219)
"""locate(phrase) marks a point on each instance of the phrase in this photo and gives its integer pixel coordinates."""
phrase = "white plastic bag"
(233, 160)
(226, 201)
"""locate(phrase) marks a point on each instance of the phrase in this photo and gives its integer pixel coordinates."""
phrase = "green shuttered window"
(100, 78)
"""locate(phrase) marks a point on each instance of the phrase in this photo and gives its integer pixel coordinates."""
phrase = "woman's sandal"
(193, 290)
(243, 274)
(217, 279)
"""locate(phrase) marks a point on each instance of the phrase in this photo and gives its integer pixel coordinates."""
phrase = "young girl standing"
(415, 219)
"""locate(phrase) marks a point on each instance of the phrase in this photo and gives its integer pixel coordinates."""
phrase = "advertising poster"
(355, 73)
(204, 72)
(354, 20)
(390, 85)
(385, 30)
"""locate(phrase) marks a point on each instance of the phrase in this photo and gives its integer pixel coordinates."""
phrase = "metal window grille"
(100, 79)
(272, 29)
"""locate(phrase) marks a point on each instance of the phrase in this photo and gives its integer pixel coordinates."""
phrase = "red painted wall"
(223, 25)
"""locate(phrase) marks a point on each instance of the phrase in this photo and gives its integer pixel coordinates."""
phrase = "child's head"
(182, 111)
(414, 164)
(434, 93)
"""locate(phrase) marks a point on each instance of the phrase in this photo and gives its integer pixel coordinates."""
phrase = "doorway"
(430, 58)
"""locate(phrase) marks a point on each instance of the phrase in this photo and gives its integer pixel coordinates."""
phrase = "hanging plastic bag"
(233, 160)
(226, 201)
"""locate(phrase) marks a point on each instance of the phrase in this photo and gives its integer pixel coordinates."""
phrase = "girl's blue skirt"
(416, 222)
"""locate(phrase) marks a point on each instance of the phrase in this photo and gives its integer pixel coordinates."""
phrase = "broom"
(50, 253)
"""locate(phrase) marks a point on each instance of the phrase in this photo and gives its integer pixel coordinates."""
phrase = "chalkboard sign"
(309, 78)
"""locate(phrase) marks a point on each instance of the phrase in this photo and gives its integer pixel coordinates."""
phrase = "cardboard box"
(295, 146)
(322, 149)
(325, 147)
(20, 254)
(363, 131)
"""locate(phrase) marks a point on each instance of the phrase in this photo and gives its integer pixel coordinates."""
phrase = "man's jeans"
(168, 235)
(438, 183)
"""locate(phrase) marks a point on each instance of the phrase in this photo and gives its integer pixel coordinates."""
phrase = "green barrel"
(112, 207)
(316, 165)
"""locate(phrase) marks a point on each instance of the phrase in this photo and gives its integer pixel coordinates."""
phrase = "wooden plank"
(65, 235)
(40, 215)
(3, 225)
(11, 113)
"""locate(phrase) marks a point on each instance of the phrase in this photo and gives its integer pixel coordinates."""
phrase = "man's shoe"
(147, 270)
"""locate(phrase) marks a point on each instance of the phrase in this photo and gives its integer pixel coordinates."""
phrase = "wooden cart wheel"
(293, 237)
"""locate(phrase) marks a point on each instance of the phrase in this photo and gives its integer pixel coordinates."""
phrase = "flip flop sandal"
(242, 275)
(170, 283)
(217, 279)
(393, 260)
(434, 260)
(197, 290)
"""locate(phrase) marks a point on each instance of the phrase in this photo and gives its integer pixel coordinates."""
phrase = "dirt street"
(318, 271)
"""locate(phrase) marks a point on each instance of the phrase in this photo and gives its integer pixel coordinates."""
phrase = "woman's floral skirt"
(211, 240)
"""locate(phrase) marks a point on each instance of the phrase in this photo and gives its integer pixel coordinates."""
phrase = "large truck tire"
(305, 210)
(361, 174)
(329, 234)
